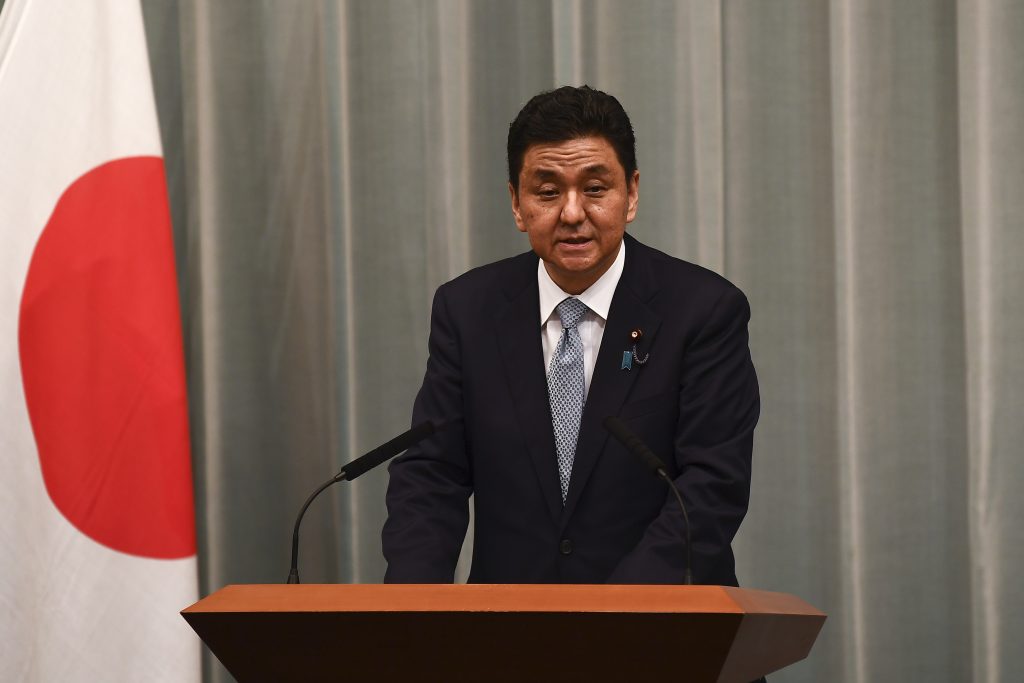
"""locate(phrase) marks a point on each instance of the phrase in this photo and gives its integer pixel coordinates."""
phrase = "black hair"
(569, 113)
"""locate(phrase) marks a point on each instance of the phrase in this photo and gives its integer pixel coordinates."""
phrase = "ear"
(515, 208)
(632, 196)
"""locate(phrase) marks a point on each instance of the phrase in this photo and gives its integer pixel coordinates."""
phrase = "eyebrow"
(593, 169)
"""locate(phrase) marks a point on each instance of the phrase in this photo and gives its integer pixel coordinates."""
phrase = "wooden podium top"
(499, 598)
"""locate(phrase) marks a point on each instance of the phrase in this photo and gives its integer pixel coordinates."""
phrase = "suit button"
(565, 547)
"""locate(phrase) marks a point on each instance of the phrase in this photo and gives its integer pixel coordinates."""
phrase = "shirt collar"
(597, 297)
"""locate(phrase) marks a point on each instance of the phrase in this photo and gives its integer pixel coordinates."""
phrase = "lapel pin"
(629, 356)
(636, 335)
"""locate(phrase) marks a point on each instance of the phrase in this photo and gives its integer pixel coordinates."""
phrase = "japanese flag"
(97, 534)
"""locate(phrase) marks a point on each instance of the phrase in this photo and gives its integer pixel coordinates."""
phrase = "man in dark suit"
(525, 378)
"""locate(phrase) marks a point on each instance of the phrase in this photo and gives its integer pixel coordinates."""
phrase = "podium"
(478, 632)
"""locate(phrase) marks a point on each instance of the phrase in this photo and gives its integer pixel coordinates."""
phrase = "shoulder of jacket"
(676, 274)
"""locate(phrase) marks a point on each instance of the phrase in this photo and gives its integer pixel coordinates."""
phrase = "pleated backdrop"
(856, 166)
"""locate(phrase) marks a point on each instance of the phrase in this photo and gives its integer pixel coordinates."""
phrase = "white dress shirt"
(597, 297)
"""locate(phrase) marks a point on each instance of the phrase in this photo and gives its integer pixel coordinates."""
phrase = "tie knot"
(570, 311)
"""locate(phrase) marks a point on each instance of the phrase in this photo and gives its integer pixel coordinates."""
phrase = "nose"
(572, 209)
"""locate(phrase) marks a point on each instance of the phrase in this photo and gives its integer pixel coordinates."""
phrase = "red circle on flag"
(101, 360)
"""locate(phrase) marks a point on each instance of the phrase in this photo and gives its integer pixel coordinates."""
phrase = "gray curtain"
(856, 166)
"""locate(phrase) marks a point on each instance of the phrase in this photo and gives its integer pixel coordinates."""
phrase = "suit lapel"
(610, 384)
(518, 332)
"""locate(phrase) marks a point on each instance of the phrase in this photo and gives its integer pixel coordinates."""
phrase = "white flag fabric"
(97, 534)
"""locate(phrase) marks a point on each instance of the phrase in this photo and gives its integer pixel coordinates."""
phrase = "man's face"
(573, 203)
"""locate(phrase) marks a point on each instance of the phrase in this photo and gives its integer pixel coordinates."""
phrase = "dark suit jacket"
(695, 403)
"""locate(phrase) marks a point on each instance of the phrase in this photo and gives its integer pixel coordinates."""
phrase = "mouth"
(575, 241)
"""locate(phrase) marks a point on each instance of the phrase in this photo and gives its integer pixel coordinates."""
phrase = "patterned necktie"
(566, 387)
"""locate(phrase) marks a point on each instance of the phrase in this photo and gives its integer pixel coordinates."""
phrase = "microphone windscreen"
(389, 450)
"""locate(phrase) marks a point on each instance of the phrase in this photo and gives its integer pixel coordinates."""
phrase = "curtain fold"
(901, 404)
(854, 166)
(991, 127)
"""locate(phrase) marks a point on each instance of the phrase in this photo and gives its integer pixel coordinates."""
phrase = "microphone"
(356, 468)
(385, 452)
(624, 435)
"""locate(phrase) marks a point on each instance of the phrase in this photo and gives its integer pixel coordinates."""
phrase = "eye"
(594, 189)
(547, 192)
